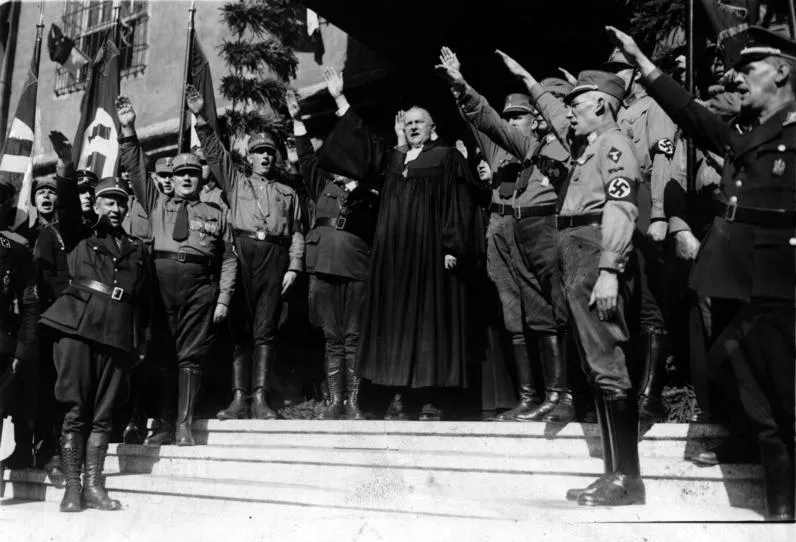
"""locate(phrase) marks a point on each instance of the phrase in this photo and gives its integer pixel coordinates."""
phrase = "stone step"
(437, 474)
(572, 440)
(219, 496)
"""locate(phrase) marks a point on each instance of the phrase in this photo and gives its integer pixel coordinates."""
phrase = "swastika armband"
(664, 146)
(621, 189)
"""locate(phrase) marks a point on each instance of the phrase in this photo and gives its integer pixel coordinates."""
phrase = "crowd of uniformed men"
(591, 237)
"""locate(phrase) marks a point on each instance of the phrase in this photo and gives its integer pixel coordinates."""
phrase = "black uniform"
(338, 260)
(18, 333)
(748, 255)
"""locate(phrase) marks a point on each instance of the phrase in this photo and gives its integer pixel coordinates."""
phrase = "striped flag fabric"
(96, 146)
(200, 78)
(16, 163)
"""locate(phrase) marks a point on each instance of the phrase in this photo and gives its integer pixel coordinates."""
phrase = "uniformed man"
(652, 133)
(338, 260)
(164, 167)
(269, 239)
(210, 192)
(529, 162)
(194, 259)
(748, 254)
(99, 319)
(19, 309)
(596, 221)
(86, 184)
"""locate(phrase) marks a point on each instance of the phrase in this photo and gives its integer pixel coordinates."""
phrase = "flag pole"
(689, 81)
(7, 68)
(117, 21)
(186, 71)
(792, 19)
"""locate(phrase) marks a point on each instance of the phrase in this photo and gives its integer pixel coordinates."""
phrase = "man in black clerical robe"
(428, 239)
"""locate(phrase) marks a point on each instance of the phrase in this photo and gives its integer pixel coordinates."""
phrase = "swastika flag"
(96, 146)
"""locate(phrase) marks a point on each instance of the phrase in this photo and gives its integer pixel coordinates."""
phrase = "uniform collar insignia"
(790, 119)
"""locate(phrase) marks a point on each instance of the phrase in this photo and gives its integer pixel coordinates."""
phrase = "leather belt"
(576, 221)
(260, 235)
(184, 257)
(771, 218)
(338, 223)
(94, 286)
(504, 209)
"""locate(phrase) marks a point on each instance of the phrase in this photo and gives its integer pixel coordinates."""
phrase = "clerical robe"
(416, 328)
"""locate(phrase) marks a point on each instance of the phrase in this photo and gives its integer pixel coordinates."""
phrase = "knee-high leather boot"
(529, 398)
(263, 358)
(189, 381)
(72, 454)
(779, 479)
(558, 405)
(607, 447)
(651, 375)
(336, 380)
(240, 386)
(94, 494)
(353, 380)
(624, 486)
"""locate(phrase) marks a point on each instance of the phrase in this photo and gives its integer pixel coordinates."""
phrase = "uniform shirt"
(136, 223)
(213, 195)
(208, 233)
(19, 301)
(741, 260)
(256, 204)
(604, 178)
(95, 316)
(330, 251)
(526, 169)
(652, 133)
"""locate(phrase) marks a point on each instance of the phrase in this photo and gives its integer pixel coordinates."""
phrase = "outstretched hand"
(449, 67)
(194, 100)
(627, 44)
(334, 82)
(291, 100)
(399, 127)
(124, 111)
(571, 79)
(513, 66)
(61, 146)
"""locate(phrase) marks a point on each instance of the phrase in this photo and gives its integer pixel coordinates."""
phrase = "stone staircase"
(487, 470)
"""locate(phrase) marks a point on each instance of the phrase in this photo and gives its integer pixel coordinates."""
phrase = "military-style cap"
(186, 160)
(617, 62)
(112, 187)
(164, 165)
(589, 80)
(762, 43)
(557, 86)
(44, 182)
(518, 103)
(261, 141)
(86, 177)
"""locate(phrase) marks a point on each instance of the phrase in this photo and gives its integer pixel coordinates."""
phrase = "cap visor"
(517, 109)
(260, 148)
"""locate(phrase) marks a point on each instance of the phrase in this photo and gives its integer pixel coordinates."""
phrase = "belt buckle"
(516, 212)
(181, 257)
(117, 293)
(341, 223)
(260, 235)
(729, 212)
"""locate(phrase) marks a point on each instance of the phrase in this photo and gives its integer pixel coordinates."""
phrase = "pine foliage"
(261, 59)
(653, 20)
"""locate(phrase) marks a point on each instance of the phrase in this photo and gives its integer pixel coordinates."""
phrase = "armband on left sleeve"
(663, 146)
(621, 189)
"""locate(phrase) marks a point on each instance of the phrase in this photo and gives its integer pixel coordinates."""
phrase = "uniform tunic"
(521, 253)
(213, 195)
(604, 182)
(415, 325)
(269, 211)
(19, 309)
(99, 333)
(749, 259)
(190, 289)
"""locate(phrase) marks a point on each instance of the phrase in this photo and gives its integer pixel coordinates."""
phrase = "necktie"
(181, 224)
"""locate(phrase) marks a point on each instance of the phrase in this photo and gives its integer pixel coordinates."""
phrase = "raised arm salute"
(267, 228)
(748, 253)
